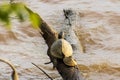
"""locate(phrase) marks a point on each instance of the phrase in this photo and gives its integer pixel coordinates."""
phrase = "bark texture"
(67, 72)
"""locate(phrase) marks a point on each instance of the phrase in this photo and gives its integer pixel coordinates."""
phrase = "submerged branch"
(42, 71)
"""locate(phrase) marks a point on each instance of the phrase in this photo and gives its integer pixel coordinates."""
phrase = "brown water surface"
(97, 26)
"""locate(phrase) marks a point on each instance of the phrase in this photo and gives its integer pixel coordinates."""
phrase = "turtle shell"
(61, 48)
(69, 61)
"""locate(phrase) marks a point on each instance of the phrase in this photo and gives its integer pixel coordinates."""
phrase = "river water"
(97, 26)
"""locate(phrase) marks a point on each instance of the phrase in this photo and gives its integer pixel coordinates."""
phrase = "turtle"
(61, 49)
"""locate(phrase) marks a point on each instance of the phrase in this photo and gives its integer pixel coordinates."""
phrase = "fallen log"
(50, 36)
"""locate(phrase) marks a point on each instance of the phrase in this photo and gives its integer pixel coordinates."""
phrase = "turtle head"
(61, 35)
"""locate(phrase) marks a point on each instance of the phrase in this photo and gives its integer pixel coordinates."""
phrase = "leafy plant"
(19, 10)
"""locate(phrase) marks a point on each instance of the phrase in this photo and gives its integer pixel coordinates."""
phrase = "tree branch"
(42, 71)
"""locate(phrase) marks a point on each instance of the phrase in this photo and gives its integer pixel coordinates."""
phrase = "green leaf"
(21, 11)
(35, 20)
(5, 11)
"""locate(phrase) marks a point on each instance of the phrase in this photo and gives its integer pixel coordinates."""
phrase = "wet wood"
(14, 75)
(50, 35)
(43, 71)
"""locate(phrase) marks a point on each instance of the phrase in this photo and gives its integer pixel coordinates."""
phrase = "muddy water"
(97, 25)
